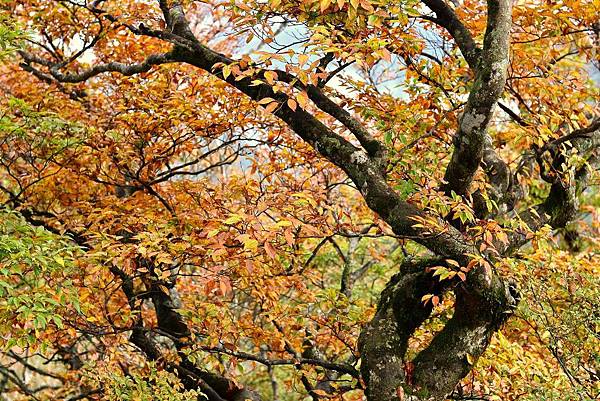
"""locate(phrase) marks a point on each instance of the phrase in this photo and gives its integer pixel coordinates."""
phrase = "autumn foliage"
(291, 200)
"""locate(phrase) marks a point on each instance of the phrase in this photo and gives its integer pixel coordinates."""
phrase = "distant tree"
(286, 200)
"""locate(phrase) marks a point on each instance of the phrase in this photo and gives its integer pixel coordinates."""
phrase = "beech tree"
(308, 199)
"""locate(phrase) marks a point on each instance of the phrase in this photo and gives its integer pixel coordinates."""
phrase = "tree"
(281, 199)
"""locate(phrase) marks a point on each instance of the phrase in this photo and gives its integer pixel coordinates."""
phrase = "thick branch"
(357, 164)
(562, 202)
(433, 374)
(453, 351)
(502, 187)
(447, 18)
(384, 340)
(487, 88)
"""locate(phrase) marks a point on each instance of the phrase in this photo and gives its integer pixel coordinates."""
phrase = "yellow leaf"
(271, 77)
(302, 99)
(251, 245)
(302, 59)
(213, 233)
(232, 219)
(502, 237)
(226, 71)
(453, 262)
(325, 4)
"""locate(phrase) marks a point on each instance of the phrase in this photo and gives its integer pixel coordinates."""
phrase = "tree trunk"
(437, 369)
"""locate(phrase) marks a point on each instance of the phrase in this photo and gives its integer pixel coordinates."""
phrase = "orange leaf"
(271, 107)
(292, 104)
(266, 100)
(289, 237)
(270, 250)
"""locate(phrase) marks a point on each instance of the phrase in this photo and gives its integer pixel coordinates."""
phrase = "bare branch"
(125, 69)
(347, 369)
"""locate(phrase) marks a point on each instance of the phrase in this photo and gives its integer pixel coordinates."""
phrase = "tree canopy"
(299, 200)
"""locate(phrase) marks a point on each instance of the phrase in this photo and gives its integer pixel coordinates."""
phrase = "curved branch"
(356, 163)
(562, 203)
(447, 18)
(125, 69)
(383, 342)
